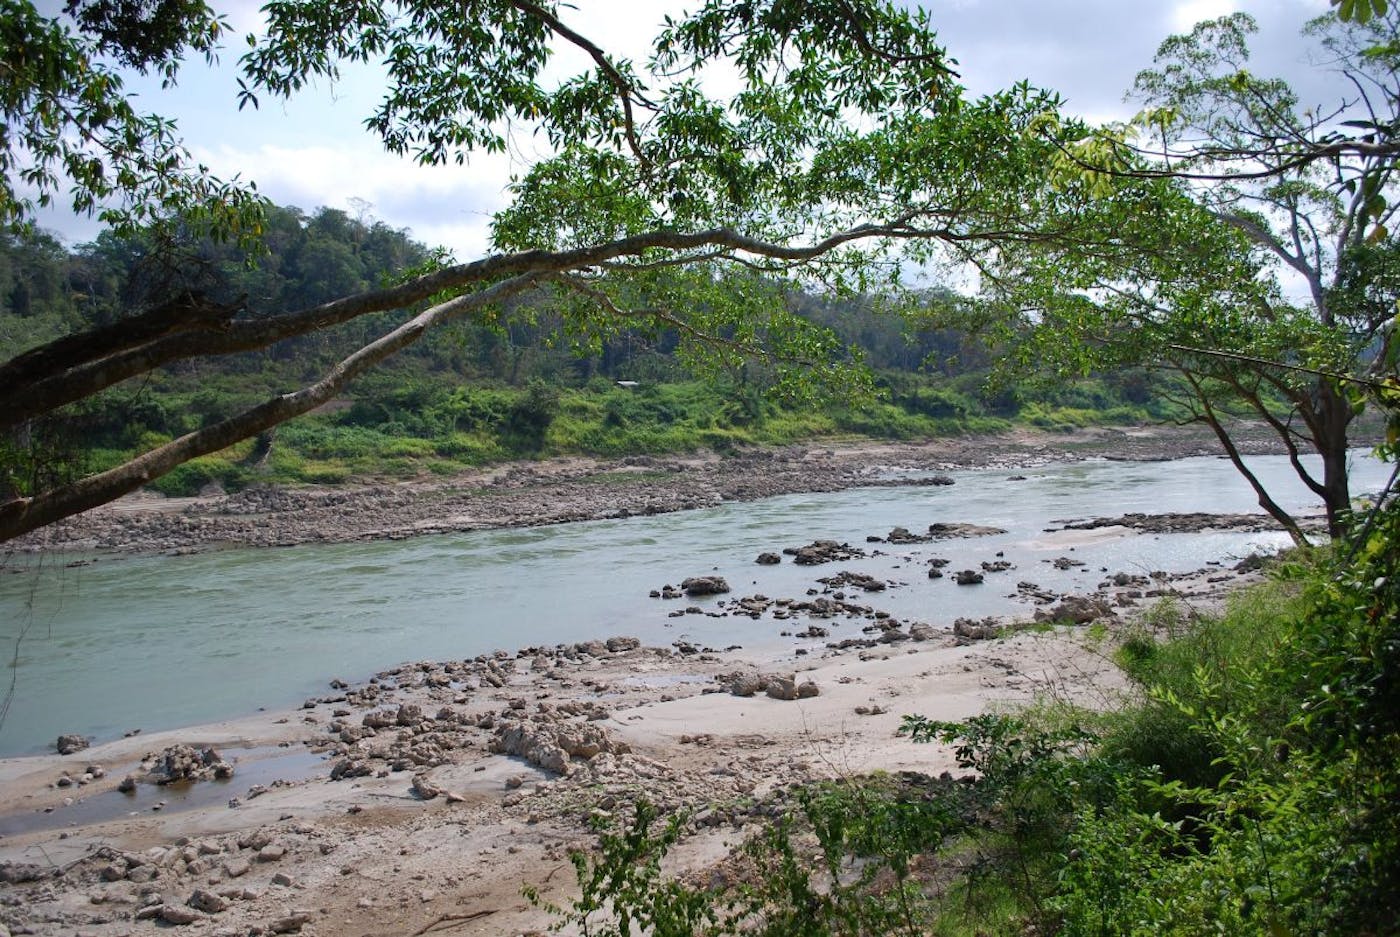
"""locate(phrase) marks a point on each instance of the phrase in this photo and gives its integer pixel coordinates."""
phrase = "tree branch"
(22, 515)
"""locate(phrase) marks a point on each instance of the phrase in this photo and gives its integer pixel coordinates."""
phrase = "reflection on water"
(257, 766)
(157, 642)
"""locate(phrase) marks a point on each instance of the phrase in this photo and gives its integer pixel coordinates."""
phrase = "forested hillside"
(511, 383)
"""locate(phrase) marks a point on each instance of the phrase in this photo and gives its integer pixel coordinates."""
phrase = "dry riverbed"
(420, 801)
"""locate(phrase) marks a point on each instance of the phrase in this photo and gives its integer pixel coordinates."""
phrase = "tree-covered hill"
(513, 383)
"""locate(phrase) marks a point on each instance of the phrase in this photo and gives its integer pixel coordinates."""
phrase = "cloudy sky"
(313, 151)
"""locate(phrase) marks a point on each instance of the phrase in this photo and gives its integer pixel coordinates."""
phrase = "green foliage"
(71, 126)
(623, 892)
(189, 478)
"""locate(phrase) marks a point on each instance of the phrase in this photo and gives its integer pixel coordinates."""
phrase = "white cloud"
(1186, 15)
(448, 205)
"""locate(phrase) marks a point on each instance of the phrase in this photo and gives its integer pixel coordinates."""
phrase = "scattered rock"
(184, 763)
(68, 744)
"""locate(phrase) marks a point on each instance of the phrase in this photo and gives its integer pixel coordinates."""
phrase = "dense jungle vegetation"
(517, 386)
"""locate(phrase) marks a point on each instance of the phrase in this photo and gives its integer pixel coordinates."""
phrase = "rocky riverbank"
(558, 491)
(421, 800)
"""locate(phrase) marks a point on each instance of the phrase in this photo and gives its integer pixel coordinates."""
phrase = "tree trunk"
(1335, 415)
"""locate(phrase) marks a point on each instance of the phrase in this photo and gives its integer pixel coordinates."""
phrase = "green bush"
(187, 479)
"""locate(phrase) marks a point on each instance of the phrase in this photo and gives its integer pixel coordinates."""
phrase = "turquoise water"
(163, 641)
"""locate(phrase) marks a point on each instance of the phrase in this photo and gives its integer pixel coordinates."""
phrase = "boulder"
(68, 744)
(704, 585)
(184, 763)
(1076, 609)
(967, 577)
(970, 630)
(781, 687)
(747, 684)
(768, 559)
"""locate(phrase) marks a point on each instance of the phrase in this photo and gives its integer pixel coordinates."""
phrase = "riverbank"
(530, 494)
(421, 800)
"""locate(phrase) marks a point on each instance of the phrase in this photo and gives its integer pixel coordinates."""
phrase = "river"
(154, 642)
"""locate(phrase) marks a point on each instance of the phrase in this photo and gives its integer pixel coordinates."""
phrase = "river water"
(162, 641)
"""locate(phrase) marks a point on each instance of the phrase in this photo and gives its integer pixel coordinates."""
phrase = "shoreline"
(421, 799)
(565, 490)
(438, 789)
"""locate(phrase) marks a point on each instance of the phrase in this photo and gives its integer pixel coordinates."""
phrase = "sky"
(313, 151)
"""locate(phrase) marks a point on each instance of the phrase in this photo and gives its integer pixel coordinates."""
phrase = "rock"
(272, 852)
(858, 580)
(779, 687)
(184, 763)
(922, 631)
(747, 684)
(823, 551)
(408, 715)
(968, 629)
(807, 689)
(952, 531)
(1076, 609)
(377, 719)
(291, 924)
(423, 789)
(207, 901)
(237, 867)
(768, 559)
(176, 914)
(350, 768)
(903, 535)
(127, 785)
(550, 746)
(18, 873)
(967, 577)
(68, 744)
(619, 644)
(704, 585)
